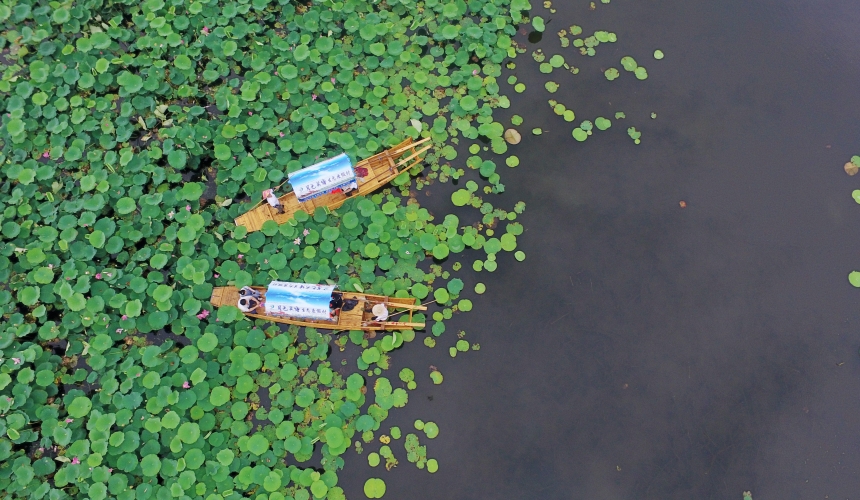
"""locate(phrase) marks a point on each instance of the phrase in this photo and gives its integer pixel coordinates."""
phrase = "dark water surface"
(644, 350)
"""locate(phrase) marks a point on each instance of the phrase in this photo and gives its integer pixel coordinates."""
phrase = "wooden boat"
(382, 168)
(359, 318)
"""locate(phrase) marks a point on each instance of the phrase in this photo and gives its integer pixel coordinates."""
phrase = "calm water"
(647, 351)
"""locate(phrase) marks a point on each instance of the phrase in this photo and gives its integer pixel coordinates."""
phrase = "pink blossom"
(119, 330)
(338, 249)
(124, 317)
(297, 241)
(75, 461)
(69, 420)
(313, 97)
(188, 207)
(45, 154)
(98, 276)
(205, 30)
(250, 113)
(217, 275)
(276, 73)
(332, 79)
(17, 361)
(185, 385)
(110, 469)
(306, 232)
(282, 134)
(474, 72)
(241, 256)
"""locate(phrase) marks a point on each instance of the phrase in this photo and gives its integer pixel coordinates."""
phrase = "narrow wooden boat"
(360, 318)
(382, 168)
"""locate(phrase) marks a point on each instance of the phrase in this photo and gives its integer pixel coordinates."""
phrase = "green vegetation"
(133, 133)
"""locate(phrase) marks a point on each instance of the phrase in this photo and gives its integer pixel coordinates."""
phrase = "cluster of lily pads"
(132, 134)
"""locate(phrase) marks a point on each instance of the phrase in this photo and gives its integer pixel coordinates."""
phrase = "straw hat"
(379, 309)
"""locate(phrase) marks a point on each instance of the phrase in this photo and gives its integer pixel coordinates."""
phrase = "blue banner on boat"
(298, 300)
(322, 178)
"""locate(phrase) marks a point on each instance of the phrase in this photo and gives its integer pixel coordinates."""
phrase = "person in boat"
(269, 196)
(247, 291)
(249, 304)
(380, 312)
(335, 304)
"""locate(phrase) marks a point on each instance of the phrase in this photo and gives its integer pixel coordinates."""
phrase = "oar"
(406, 160)
(412, 145)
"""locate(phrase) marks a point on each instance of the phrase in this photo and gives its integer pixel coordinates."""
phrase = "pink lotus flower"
(203, 314)
(98, 276)
(185, 385)
(313, 97)
(241, 256)
(69, 420)
(75, 461)
(474, 72)
(45, 154)
(276, 73)
(205, 30)
(281, 134)
(306, 232)
(119, 330)
(124, 317)
(332, 79)
(17, 361)
(188, 207)
(217, 275)
(297, 241)
(110, 469)
(338, 249)
(250, 113)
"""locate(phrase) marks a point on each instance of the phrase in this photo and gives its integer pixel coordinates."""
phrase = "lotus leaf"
(602, 123)
(374, 488)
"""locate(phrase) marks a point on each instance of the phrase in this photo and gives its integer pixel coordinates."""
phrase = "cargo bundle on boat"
(333, 181)
(320, 306)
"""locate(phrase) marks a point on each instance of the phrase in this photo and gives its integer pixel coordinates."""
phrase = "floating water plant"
(634, 134)
(602, 123)
(108, 133)
(512, 136)
(658, 54)
(611, 74)
(852, 167)
(628, 63)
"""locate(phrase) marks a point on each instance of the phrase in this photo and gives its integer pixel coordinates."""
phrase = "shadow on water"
(644, 350)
